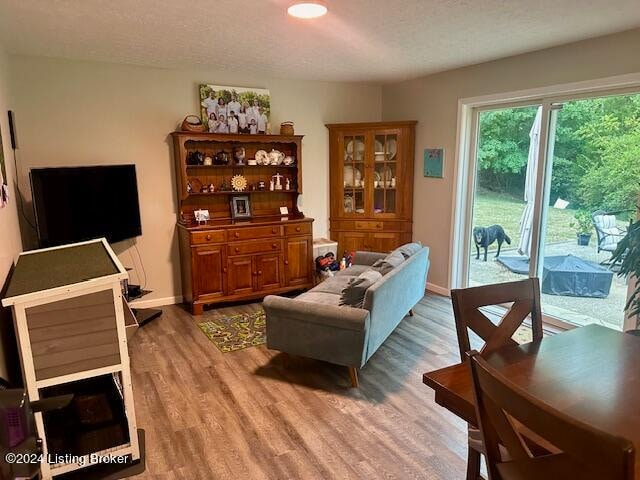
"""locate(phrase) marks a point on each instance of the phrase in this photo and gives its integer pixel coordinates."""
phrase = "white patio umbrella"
(526, 220)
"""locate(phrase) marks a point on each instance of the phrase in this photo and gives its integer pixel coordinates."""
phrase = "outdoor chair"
(607, 231)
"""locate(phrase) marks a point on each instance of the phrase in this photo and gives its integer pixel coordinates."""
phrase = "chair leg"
(411, 312)
(353, 374)
(473, 464)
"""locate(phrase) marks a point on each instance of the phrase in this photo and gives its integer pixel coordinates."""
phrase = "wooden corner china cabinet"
(226, 259)
(371, 185)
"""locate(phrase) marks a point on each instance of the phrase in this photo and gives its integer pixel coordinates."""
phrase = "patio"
(580, 311)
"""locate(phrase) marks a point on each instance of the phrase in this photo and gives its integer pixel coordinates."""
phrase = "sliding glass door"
(553, 186)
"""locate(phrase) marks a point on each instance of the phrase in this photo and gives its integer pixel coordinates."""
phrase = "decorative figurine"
(287, 184)
(278, 181)
(271, 185)
(208, 161)
(195, 158)
(212, 188)
(239, 154)
(221, 158)
(189, 187)
(261, 185)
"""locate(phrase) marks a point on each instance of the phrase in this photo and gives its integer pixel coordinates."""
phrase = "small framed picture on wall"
(434, 162)
(240, 207)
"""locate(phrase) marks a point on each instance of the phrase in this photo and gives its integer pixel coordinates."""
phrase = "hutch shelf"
(227, 259)
(371, 197)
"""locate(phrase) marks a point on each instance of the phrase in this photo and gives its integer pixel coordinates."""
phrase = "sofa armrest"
(325, 332)
(367, 258)
(347, 318)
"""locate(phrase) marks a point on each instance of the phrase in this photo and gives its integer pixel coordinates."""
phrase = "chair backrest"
(524, 294)
(605, 226)
(579, 452)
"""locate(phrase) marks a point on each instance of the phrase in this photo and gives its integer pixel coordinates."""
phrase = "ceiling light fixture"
(308, 9)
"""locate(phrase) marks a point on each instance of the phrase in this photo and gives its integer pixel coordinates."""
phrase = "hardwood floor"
(259, 414)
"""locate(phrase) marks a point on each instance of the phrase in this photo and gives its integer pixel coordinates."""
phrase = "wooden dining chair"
(575, 450)
(524, 297)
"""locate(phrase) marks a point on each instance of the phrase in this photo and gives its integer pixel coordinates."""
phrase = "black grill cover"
(572, 276)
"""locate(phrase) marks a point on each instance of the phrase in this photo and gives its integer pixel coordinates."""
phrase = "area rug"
(236, 332)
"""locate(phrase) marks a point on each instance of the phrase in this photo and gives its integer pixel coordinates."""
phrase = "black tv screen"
(73, 204)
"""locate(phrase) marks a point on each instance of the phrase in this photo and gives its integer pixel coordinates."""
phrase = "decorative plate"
(262, 157)
(359, 148)
(392, 148)
(378, 147)
(238, 183)
(351, 175)
(196, 185)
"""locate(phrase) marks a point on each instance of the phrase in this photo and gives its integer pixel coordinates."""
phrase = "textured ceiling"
(363, 40)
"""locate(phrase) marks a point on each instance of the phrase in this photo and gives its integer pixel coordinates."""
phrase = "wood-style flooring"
(259, 414)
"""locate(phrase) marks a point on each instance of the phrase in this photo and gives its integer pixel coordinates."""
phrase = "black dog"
(483, 237)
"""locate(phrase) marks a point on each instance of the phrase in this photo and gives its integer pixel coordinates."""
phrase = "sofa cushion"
(324, 298)
(333, 284)
(353, 293)
(409, 249)
(353, 271)
(389, 262)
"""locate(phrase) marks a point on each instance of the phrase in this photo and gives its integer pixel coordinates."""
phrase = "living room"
(95, 85)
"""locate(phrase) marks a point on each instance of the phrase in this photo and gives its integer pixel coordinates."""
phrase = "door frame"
(465, 165)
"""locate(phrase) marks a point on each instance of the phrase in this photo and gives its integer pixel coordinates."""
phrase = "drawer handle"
(259, 272)
(297, 229)
(237, 249)
(274, 231)
(208, 237)
(255, 273)
(236, 234)
(286, 262)
(378, 225)
(274, 245)
(224, 269)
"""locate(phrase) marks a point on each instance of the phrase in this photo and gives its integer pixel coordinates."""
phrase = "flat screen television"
(73, 204)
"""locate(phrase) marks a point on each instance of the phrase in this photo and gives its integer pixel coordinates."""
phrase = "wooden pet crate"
(70, 323)
(226, 259)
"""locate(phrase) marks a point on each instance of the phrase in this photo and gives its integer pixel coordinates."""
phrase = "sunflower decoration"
(238, 183)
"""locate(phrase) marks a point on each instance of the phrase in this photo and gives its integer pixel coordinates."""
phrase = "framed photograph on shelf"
(240, 207)
(235, 109)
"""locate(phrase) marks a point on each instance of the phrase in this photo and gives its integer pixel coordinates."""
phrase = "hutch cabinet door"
(387, 180)
(297, 269)
(267, 268)
(352, 173)
(240, 275)
(351, 242)
(383, 242)
(209, 270)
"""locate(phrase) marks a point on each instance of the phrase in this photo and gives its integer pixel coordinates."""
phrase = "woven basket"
(191, 123)
(286, 128)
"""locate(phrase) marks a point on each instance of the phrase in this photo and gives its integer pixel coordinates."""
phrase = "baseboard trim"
(156, 302)
(438, 289)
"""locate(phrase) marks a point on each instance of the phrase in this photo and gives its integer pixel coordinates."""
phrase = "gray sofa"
(315, 325)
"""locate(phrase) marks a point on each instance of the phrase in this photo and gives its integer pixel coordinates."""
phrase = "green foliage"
(628, 255)
(583, 223)
(596, 163)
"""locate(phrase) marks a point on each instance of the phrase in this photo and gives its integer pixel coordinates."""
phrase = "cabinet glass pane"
(353, 175)
(384, 173)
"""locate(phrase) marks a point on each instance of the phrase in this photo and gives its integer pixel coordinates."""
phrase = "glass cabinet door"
(385, 173)
(353, 177)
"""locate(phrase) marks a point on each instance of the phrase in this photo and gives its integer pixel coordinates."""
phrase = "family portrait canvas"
(235, 109)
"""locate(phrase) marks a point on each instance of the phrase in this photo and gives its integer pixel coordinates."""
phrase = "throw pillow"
(388, 263)
(409, 249)
(353, 294)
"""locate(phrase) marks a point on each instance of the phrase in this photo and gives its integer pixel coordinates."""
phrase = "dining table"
(591, 373)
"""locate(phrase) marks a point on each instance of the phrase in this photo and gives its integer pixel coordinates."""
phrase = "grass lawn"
(492, 208)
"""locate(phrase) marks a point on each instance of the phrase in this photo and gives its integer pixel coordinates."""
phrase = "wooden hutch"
(226, 259)
(371, 185)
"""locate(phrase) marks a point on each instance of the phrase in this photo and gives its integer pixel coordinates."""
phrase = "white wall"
(83, 113)
(10, 243)
(433, 101)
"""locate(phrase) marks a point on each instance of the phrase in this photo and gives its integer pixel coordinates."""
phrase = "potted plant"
(583, 226)
(627, 255)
